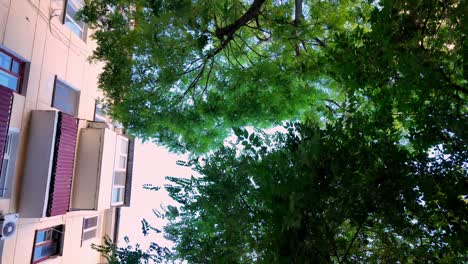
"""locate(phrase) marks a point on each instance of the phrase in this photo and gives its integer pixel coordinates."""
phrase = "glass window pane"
(90, 222)
(119, 178)
(123, 146)
(77, 4)
(72, 9)
(51, 234)
(8, 144)
(5, 61)
(8, 80)
(45, 250)
(100, 110)
(3, 178)
(122, 162)
(121, 194)
(77, 26)
(41, 236)
(15, 67)
(99, 114)
(78, 31)
(66, 99)
(117, 194)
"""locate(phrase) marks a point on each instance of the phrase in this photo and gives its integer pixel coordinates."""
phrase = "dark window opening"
(47, 243)
(11, 71)
(76, 26)
(66, 98)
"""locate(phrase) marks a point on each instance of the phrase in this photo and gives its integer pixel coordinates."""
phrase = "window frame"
(60, 230)
(21, 72)
(73, 20)
(67, 85)
(118, 155)
(98, 117)
(84, 230)
(11, 148)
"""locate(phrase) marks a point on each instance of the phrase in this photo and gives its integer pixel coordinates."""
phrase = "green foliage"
(184, 72)
(174, 72)
(374, 172)
(347, 193)
(131, 255)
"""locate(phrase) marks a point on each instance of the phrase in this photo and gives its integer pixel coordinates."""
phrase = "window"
(120, 170)
(11, 71)
(90, 228)
(99, 114)
(47, 243)
(65, 98)
(9, 160)
(77, 26)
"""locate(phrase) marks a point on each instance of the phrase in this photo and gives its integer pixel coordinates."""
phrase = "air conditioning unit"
(8, 223)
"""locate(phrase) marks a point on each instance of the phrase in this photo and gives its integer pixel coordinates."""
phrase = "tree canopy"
(322, 196)
(374, 165)
(184, 72)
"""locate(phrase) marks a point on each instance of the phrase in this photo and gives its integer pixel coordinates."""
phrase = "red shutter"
(6, 102)
(62, 171)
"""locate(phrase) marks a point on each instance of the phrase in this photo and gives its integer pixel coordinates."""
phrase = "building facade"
(65, 168)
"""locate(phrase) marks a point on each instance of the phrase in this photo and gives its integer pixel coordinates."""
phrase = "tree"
(131, 254)
(184, 72)
(345, 193)
(375, 173)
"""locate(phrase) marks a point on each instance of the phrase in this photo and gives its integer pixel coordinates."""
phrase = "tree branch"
(189, 70)
(251, 13)
(226, 53)
(352, 241)
(247, 56)
(455, 86)
(235, 58)
(251, 211)
(320, 42)
(333, 102)
(252, 49)
(194, 82)
(208, 78)
(330, 236)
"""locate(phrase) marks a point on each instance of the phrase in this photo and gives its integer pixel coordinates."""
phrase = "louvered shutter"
(6, 102)
(62, 170)
(129, 173)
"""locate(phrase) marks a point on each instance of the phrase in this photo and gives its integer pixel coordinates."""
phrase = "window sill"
(52, 260)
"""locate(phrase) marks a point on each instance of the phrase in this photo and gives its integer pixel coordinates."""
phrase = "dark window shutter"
(6, 102)
(129, 176)
(62, 170)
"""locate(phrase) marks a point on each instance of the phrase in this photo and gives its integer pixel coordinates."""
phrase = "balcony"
(48, 172)
(102, 173)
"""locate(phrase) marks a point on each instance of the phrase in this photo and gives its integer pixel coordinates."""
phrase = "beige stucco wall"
(20, 251)
(32, 30)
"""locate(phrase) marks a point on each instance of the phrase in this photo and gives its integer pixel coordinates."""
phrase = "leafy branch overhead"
(373, 165)
(183, 73)
(316, 195)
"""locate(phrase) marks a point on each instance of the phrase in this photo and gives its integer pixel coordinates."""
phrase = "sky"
(152, 164)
